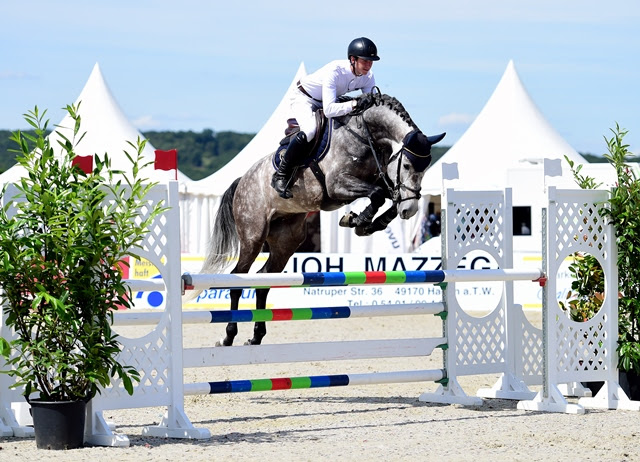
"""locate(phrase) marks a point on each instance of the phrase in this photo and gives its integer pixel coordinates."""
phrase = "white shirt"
(333, 80)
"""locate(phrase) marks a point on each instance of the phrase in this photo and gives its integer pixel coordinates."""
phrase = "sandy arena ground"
(374, 422)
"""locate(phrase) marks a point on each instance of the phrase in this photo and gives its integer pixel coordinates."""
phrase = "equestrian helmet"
(363, 48)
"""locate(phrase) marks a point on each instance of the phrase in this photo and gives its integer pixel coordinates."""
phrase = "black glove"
(364, 102)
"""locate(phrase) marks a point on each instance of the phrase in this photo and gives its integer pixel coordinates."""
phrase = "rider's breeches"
(302, 109)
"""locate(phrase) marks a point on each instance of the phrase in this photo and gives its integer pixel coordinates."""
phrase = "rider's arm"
(330, 106)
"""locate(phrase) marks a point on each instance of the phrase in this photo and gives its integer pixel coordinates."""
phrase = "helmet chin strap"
(353, 68)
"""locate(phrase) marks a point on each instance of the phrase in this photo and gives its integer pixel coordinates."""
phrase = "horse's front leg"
(260, 328)
(353, 220)
(379, 223)
(232, 327)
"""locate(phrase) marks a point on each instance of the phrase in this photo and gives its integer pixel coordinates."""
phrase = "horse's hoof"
(220, 342)
(248, 342)
(363, 231)
(347, 220)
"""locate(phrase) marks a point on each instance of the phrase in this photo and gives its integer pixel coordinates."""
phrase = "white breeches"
(302, 108)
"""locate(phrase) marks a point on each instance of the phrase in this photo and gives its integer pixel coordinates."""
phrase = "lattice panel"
(530, 364)
(478, 225)
(579, 225)
(155, 243)
(480, 340)
(582, 351)
(581, 346)
(150, 356)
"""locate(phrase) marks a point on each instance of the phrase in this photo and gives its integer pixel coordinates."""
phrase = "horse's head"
(406, 168)
(409, 151)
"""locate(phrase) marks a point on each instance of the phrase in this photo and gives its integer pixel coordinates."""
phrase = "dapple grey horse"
(377, 154)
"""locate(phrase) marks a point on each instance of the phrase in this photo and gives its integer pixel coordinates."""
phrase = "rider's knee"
(310, 133)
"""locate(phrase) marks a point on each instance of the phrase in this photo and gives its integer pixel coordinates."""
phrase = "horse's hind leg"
(285, 236)
(232, 328)
(250, 248)
(259, 328)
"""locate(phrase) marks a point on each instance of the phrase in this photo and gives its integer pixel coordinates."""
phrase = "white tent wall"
(200, 199)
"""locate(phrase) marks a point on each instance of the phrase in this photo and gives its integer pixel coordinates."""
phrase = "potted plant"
(622, 211)
(63, 238)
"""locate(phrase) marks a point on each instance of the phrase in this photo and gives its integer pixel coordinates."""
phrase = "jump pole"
(264, 280)
(133, 318)
(317, 381)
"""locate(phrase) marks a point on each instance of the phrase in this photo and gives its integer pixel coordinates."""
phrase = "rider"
(321, 89)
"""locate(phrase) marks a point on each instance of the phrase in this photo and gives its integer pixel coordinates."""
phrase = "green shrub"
(623, 211)
(62, 241)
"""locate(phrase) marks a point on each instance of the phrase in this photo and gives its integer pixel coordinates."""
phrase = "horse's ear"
(435, 138)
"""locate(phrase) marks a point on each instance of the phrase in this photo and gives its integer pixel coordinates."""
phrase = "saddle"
(317, 150)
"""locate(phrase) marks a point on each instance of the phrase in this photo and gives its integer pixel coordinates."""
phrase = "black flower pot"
(630, 383)
(58, 424)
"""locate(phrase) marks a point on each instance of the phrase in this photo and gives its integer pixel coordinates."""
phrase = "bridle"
(397, 186)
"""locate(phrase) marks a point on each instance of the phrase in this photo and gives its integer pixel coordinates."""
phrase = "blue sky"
(190, 65)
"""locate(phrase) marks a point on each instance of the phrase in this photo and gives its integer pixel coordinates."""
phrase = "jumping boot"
(295, 153)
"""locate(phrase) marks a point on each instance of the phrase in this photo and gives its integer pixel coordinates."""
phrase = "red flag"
(166, 160)
(84, 163)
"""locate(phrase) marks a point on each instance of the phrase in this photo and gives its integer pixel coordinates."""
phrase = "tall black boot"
(295, 153)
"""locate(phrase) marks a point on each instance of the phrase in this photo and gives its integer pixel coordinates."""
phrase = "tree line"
(199, 153)
(202, 153)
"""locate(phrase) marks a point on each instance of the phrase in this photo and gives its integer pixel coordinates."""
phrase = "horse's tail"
(223, 244)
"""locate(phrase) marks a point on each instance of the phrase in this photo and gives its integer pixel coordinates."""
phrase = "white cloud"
(146, 122)
(455, 119)
(13, 75)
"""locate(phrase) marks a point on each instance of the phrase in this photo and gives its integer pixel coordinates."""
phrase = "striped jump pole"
(132, 318)
(317, 381)
(264, 280)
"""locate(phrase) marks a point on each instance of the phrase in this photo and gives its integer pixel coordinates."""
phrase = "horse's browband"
(413, 153)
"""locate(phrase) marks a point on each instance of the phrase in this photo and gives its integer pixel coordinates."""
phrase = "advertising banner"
(480, 296)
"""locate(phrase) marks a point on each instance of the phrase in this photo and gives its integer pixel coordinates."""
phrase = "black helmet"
(363, 48)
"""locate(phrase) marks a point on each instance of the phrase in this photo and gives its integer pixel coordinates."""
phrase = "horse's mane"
(397, 107)
(390, 102)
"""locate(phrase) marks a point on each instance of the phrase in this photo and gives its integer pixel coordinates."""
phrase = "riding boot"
(295, 153)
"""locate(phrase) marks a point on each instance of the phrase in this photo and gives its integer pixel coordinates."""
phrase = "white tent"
(507, 146)
(509, 132)
(199, 200)
(107, 131)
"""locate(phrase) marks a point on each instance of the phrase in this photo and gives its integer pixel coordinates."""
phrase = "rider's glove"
(364, 102)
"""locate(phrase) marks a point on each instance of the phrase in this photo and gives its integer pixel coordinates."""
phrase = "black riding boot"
(296, 151)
